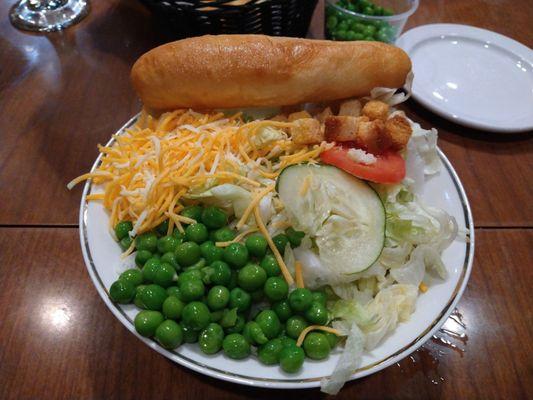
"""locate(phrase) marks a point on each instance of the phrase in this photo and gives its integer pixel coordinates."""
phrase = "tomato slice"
(389, 167)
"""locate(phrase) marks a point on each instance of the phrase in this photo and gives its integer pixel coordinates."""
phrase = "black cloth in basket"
(179, 19)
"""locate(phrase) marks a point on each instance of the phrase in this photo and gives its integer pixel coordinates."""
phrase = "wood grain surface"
(62, 93)
(59, 341)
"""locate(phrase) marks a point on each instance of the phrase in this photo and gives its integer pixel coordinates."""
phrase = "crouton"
(306, 131)
(299, 115)
(398, 132)
(321, 116)
(370, 136)
(350, 108)
(375, 109)
(342, 129)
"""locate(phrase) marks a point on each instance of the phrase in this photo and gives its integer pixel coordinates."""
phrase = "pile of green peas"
(344, 26)
(226, 299)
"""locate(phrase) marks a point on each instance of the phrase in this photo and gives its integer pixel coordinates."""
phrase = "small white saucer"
(472, 76)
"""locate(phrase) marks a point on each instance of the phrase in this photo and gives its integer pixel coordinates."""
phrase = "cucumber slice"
(342, 213)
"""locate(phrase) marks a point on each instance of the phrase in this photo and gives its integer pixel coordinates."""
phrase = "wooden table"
(62, 93)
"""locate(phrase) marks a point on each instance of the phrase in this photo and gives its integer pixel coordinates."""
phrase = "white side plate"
(102, 257)
(472, 76)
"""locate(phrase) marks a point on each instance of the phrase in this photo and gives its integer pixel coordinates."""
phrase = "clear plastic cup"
(347, 19)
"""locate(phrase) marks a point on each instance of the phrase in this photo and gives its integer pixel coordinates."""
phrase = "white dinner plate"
(102, 257)
(472, 76)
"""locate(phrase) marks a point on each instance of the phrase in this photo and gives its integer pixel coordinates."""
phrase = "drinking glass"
(47, 15)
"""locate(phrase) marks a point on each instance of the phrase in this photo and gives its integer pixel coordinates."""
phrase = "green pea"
(122, 229)
(146, 322)
(238, 326)
(320, 297)
(214, 217)
(288, 341)
(142, 256)
(122, 291)
(350, 35)
(283, 310)
(269, 323)
(251, 277)
(270, 265)
(295, 325)
(197, 265)
(210, 252)
(178, 235)
(276, 288)
(317, 314)
(295, 237)
(174, 291)
(221, 273)
(146, 241)
(300, 299)
(388, 12)
(332, 339)
(211, 338)
(167, 243)
(164, 275)
(229, 318)
(192, 212)
(170, 258)
(383, 36)
(125, 243)
(188, 253)
(281, 241)
(196, 315)
(133, 276)
(172, 308)
(153, 297)
(343, 25)
(169, 334)
(196, 233)
(358, 36)
(269, 352)
(189, 335)
(316, 346)
(239, 299)
(368, 11)
(150, 268)
(224, 234)
(291, 359)
(369, 39)
(370, 30)
(218, 298)
(253, 333)
(216, 316)
(162, 228)
(137, 298)
(189, 274)
(256, 245)
(236, 255)
(235, 346)
(191, 289)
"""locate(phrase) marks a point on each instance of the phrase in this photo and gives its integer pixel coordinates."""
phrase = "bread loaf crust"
(229, 71)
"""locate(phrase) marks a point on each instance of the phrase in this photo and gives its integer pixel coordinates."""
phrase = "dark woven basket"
(184, 18)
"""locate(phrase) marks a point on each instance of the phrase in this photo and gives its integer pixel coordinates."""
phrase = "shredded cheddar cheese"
(298, 273)
(237, 239)
(423, 287)
(284, 270)
(150, 170)
(304, 333)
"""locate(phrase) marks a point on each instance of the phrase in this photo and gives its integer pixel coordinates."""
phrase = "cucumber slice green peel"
(343, 214)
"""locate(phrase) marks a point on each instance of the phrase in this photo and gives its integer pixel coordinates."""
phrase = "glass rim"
(395, 17)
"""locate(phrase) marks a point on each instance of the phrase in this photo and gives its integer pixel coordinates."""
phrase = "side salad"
(263, 236)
